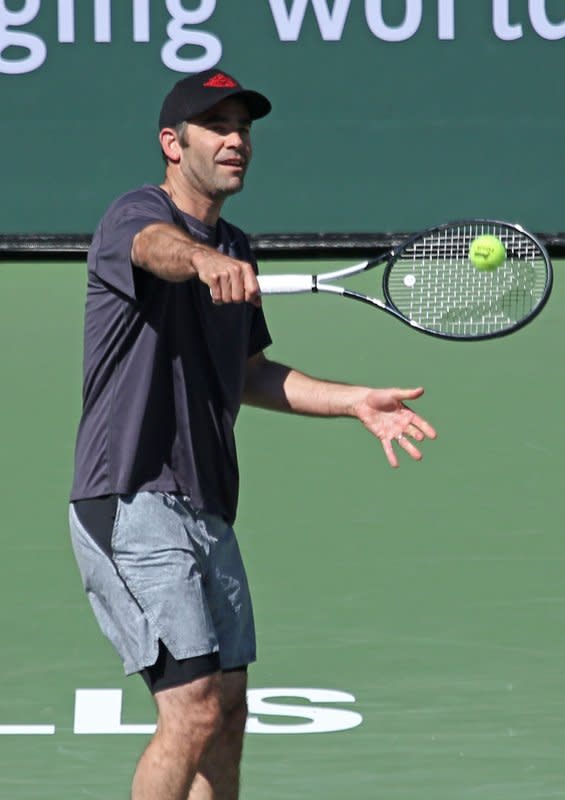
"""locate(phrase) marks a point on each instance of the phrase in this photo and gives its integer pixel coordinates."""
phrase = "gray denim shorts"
(172, 574)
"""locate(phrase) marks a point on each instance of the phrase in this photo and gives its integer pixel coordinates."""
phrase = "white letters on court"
(99, 711)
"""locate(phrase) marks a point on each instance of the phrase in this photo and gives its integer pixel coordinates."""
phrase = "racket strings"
(434, 283)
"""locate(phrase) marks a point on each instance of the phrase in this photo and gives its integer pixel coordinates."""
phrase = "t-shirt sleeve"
(109, 257)
(259, 338)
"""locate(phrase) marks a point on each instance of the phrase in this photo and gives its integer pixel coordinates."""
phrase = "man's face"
(216, 149)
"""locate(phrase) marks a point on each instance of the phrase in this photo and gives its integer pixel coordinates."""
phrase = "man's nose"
(234, 139)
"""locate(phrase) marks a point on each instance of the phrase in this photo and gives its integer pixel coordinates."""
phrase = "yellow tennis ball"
(487, 252)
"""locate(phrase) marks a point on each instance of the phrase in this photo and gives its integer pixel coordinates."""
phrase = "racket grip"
(285, 284)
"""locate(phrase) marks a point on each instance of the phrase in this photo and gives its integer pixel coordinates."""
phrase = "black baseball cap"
(197, 93)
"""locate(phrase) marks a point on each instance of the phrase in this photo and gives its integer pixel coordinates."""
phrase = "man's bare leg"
(189, 718)
(218, 772)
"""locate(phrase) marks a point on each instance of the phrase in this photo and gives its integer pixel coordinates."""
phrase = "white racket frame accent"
(295, 283)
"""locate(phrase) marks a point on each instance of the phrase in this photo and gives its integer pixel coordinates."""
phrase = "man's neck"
(203, 208)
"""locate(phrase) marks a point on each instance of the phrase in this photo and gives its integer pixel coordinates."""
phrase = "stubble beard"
(212, 185)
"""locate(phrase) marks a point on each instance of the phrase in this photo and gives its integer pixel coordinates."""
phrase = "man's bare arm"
(171, 254)
(383, 412)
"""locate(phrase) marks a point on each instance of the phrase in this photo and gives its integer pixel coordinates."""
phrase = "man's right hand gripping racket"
(431, 283)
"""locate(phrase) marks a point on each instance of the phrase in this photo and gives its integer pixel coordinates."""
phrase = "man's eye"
(225, 130)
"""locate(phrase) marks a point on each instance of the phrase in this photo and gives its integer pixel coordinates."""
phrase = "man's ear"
(170, 144)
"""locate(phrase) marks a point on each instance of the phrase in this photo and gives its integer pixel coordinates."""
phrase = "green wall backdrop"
(388, 115)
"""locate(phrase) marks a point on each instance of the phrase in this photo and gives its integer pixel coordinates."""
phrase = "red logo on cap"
(221, 81)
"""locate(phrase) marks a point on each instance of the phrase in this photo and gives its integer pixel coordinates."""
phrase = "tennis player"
(173, 344)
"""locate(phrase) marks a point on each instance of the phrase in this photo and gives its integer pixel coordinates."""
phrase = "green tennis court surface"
(433, 595)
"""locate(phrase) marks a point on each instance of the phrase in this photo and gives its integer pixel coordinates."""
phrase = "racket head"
(430, 282)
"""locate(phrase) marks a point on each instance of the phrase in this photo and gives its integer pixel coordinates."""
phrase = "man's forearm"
(277, 387)
(170, 253)
(167, 251)
(382, 411)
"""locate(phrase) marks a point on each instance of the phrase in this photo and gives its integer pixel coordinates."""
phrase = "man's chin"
(232, 187)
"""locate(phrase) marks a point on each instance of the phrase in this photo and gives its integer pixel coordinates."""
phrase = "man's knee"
(191, 714)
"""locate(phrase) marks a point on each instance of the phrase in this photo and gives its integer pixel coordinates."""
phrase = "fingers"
(408, 430)
(415, 426)
(231, 281)
(385, 415)
(406, 444)
(389, 453)
(408, 394)
(252, 293)
(409, 447)
(420, 428)
(417, 430)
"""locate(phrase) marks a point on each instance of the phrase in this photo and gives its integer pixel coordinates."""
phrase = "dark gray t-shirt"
(163, 367)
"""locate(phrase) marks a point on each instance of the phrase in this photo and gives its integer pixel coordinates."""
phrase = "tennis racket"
(430, 283)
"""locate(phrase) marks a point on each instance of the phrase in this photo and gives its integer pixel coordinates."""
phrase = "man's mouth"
(232, 162)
